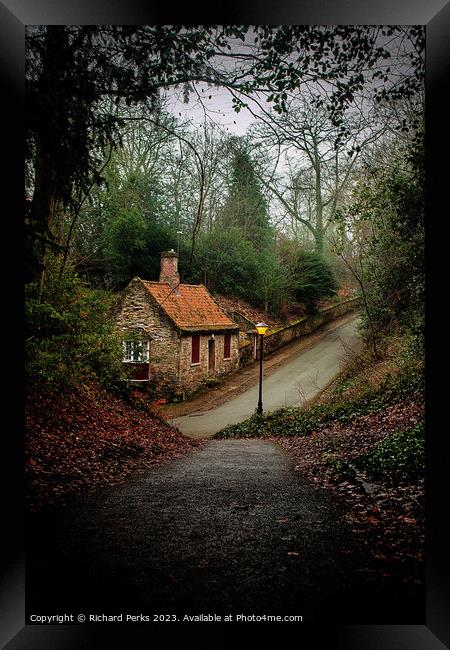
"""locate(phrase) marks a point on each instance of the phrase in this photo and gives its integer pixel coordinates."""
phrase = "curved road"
(294, 383)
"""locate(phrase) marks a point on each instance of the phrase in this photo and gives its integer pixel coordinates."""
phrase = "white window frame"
(135, 351)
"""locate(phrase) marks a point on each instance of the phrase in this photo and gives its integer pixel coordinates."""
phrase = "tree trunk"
(318, 228)
(359, 279)
(39, 218)
(41, 209)
(318, 240)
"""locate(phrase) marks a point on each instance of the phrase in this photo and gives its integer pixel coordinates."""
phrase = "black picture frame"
(14, 16)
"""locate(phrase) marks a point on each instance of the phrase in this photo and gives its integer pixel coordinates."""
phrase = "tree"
(72, 69)
(70, 335)
(227, 263)
(133, 245)
(335, 64)
(387, 216)
(122, 229)
(183, 175)
(314, 279)
(275, 281)
(70, 72)
(319, 162)
(245, 205)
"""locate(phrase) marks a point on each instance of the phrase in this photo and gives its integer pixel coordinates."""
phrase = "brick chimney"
(169, 268)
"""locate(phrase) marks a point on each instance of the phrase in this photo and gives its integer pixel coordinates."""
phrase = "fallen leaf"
(373, 520)
(409, 520)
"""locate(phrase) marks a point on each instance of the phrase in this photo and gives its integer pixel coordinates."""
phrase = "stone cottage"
(175, 336)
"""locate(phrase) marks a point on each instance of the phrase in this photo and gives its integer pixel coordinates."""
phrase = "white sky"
(217, 106)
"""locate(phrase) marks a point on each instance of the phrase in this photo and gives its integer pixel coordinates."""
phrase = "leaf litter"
(89, 438)
(388, 518)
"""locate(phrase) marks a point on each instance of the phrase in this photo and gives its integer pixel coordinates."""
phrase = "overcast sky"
(217, 106)
(217, 102)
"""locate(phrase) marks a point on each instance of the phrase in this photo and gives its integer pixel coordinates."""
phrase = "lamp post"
(261, 328)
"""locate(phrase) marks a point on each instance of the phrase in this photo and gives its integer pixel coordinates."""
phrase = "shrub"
(70, 335)
(400, 457)
(341, 470)
(302, 422)
(315, 278)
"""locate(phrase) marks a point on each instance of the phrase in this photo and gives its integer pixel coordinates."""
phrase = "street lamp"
(261, 328)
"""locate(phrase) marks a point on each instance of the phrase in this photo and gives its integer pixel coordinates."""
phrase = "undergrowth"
(301, 422)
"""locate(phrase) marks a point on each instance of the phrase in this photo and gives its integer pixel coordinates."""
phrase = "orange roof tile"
(191, 307)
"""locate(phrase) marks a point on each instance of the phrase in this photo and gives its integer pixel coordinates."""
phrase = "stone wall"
(246, 353)
(138, 314)
(170, 370)
(276, 339)
(193, 377)
(244, 323)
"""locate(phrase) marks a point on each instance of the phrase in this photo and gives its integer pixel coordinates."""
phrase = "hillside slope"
(89, 438)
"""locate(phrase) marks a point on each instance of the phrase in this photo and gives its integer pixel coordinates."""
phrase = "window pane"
(135, 351)
(127, 350)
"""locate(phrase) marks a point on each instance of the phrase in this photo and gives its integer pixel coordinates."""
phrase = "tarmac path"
(230, 529)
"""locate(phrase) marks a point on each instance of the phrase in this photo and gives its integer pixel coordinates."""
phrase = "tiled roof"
(191, 307)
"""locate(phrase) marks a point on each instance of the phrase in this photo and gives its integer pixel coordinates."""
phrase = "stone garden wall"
(283, 335)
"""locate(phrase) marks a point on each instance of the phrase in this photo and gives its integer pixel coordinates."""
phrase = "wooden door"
(211, 356)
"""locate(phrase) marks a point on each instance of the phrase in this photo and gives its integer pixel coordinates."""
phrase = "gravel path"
(228, 529)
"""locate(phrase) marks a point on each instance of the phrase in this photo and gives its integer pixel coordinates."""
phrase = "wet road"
(291, 385)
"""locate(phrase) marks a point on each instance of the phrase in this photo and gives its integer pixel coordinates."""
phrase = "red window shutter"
(227, 346)
(195, 357)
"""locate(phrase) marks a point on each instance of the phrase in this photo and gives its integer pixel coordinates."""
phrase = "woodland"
(321, 197)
